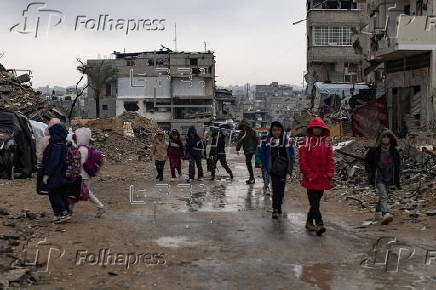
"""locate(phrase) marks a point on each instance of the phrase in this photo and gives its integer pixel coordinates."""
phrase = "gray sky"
(253, 40)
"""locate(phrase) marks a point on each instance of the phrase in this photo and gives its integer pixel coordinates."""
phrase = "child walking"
(195, 152)
(175, 154)
(382, 163)
(265, 173)
(317, 167)
(278, 158)
(218, 152)
(159, 154)
(53, 173)
(82, 137)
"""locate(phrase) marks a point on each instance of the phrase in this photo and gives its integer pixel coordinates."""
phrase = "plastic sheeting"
(38, 129)
(338, 89)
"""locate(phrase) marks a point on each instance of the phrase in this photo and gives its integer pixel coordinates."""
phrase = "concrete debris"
(119, 142)
(15, 95)
(417, 195)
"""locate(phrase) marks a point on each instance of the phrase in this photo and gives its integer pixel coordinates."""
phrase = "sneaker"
(320, 229)
(200, 179)
(250, 181)
(172, 179)
(188, 180)
(100, 212)
(275, 214)
(310, 226)
(56, 219)
(387, 219)
(66, 218)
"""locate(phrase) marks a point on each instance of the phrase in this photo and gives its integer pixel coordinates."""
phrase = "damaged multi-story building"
(400, 50)
(330, 54)
(176, 89)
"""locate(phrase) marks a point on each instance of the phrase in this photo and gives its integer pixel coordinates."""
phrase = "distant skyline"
(253, 40)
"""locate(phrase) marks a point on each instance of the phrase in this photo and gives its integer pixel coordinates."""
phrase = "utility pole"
(175, 37)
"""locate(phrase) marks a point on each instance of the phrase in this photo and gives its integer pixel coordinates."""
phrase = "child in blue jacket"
(278, 158)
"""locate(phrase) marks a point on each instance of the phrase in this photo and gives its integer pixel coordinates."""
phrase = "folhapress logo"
(37, 17)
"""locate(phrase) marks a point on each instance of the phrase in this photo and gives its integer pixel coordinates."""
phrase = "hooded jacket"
(175, 146)
(83, 137)
(159, 148)
(53, 160)
(372, 158)
(266, 148)
(218, 145)
(248, 140)
(316, 157)
(194, 144)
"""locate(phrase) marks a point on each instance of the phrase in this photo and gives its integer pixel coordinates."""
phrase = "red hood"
(318, 122)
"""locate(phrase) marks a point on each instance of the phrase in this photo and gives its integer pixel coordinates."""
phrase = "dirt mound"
(122, 139)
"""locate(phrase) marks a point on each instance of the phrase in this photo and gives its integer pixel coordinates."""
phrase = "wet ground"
(220, 235)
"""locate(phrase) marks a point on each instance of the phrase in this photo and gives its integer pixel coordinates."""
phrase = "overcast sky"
(253, 40)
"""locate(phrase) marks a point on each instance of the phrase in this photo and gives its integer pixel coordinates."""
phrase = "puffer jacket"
(53, 160)
(316, 158)
(159, 149)
(194, 144)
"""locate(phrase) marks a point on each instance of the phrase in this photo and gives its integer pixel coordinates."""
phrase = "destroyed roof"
(338, 88)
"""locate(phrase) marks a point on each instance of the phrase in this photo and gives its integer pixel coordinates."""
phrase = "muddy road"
(214, 235)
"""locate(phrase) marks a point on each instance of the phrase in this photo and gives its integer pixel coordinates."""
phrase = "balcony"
(408, 35)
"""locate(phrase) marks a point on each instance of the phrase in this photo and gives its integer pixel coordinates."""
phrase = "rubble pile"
(19, 233)
(16, 95)
(110, 136)
(417, 195)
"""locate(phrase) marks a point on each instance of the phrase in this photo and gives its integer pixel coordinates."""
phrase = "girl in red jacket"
(317, 166)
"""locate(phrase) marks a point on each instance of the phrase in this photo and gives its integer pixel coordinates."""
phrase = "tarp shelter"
(344, 91)
(18, 126)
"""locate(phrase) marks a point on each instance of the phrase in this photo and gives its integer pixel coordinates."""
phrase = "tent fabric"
(18, 126)
(338, 88)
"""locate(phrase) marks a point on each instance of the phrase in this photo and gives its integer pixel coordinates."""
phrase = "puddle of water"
(175, 242)
(318, 275)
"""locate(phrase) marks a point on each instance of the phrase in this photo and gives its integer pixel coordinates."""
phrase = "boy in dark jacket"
(53, 171)
(218, 152)
(383, 166)
(249, 142)
(175, 153)
(194, 150)
(274, 150)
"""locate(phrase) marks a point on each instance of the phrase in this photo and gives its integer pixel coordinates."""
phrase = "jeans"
(265, 177)
(159, 168)
(278, 190)
(314, 200)
(59, 201)
(223, 161)
(383, 191)
(195, 159)
(248, 162)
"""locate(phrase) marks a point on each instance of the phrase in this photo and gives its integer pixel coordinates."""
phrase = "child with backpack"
(159, 154)
(91, 161)
(175, 153)
(53, 172)
(317, 166)
(278, 158)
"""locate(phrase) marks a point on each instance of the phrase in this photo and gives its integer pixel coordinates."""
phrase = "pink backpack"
(94, 162)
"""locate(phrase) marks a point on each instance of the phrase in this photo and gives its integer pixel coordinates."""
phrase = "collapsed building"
(400, 38)
(175, 89)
